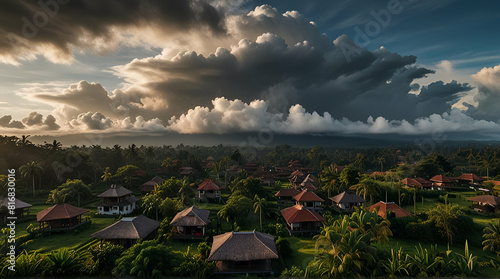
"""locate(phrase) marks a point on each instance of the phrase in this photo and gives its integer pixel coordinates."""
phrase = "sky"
(196, 67)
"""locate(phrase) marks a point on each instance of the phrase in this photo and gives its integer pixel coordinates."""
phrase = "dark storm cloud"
(29, 27)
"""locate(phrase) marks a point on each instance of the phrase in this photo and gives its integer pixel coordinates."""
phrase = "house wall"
(116, 210)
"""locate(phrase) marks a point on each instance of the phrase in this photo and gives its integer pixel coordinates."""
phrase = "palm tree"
(487, 160)
(76, 188)
(360, 160)
(106, 175)
(366, 187)
(131, 154)
(31, 169)
(258, 205)
(55, 145)
(186, 191)
(492, 237)
(381, 161)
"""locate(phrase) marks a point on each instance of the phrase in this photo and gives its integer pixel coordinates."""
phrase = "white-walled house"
(117, 200)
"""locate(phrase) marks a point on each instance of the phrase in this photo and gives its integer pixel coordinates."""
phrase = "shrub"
(276, 229)
(102, 258)
(204, 250)
(293, 272)
(283, 247)
(64, 262)
(421, 231)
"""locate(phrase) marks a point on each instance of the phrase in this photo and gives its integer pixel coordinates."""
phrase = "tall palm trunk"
(33, 185)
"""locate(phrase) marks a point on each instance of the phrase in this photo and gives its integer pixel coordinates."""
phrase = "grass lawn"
(69, 239)
(303, 251)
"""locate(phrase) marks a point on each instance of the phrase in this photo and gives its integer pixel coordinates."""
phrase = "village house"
(309, 200)
(207, 189)
(117, 200)
(150, 185)
(441, 182)
(470, 180)
(417, 182)
(188, 171)
(302, 220)
(21, 209)
(485, 203)
(310, 183)
(388, 208)
(191, 222)
(243, 252)
(128, 230)
(347, 200)
(286, 195)
(61, 217)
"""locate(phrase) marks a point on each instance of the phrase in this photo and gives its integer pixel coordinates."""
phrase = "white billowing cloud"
(152, 125)
(237, 116)
(488, 96)
(92, 121)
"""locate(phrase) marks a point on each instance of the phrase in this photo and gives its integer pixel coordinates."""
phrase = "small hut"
(302, 220)
(208, 189)
(191, 222)
(485, 203)
(117, 200)
(21, 208)
(287, 194)
(150, 185)
(383, 208)
(347, 200)
(243, 252)
(128, 230)
(60, 217)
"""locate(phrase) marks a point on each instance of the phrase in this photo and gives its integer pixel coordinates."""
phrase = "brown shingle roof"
(416, 182)
(488, 199)
(192, 216)
(306, 196)
(287, 193)
(390, 206)
(243, 246)
(18, 203)
(298, 214)
(207, 185)
(60, 211)
(115, 191)
(128, 228)
(347, 197)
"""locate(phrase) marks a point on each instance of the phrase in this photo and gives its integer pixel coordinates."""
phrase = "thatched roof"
(190, 217)
(150, 185)
(306, 196)
(383, 207)
(115, 191)
(299, 214)
(243, 246)
(59, 211)
(128, 228)
(347, 197)
(486, 199)
(17, 202)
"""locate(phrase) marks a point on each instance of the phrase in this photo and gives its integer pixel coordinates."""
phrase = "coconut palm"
(76, 188)
(366, 187)
(31, 169)
(186, 191)
(492, 237)
(106, 175)
(258, 205)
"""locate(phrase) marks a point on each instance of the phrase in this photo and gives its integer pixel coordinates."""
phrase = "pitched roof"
(154, 181)
(18, 203)
(440, 178)
(298, 214)
(115, 191)
(416, 182)
(207, 185)
(287, 193)
(390, 206)
(243, 246)
(128, 228)
(347, 197)
(307, 197)
(470, 177)
(59, 211)
(488, 199)
(192, 216)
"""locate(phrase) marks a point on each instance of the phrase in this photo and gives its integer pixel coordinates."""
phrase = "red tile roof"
(390, 206)
(287, 193)
(59, 211)
(440, 178)
(306, 196)
(298, 214)
(207, 185)
(416, 182)
(470, 177)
